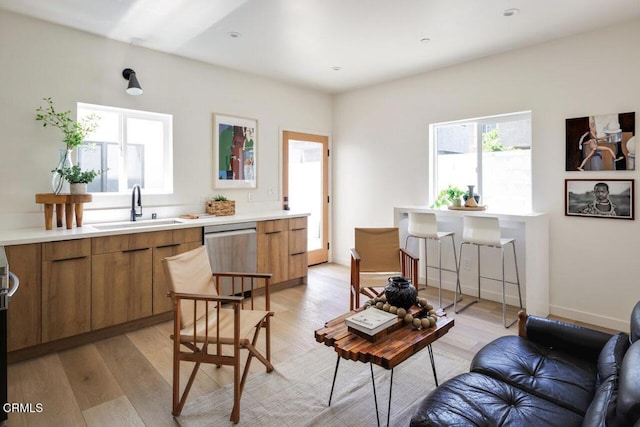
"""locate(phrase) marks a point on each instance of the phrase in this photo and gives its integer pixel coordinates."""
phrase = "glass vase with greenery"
(74, 131)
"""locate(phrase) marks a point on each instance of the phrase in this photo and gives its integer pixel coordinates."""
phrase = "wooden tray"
(468, 208)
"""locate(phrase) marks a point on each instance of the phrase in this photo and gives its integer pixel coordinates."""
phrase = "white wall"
(379, 156)
(39, 60)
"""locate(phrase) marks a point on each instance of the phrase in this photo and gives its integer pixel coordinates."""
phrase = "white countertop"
(39, 234)
(505, 216)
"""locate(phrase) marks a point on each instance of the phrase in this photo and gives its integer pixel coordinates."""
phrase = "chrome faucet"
(134, 213)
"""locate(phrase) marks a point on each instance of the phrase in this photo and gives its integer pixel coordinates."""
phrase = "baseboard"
(86, 338)
(592, 319)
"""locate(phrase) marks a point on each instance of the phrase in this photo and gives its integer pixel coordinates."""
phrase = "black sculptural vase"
(400, 292)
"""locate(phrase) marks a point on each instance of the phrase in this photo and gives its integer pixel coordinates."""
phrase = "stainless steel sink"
(135, 224)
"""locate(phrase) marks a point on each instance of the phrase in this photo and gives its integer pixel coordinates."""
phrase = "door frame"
(320, 255)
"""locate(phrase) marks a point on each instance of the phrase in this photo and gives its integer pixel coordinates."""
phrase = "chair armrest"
(249, 275)
(580, 341)
(198, 297)
(409, 254)
(355, 255)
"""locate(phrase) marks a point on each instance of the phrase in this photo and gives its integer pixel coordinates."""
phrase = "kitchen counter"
(39, 234)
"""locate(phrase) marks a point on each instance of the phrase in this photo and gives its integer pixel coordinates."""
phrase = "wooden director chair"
(376, 256)
(206, 322)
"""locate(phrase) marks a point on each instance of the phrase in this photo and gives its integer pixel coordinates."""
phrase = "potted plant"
(221, 206)
(77, 178)
(449, 196)
(74, 133)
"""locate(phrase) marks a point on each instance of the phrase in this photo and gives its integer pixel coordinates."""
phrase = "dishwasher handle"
(209, 229)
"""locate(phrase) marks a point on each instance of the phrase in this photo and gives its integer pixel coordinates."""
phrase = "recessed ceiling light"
(425, 40)
(234, 34)
(336, 68)
(511, 12)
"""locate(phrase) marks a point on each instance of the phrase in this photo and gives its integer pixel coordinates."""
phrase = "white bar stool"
(485, 231)
(424, 225)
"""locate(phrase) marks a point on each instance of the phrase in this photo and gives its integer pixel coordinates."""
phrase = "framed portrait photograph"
(599, 198)
(235, 142)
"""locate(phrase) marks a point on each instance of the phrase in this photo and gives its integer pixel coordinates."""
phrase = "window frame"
(434, 187)
(166, 120)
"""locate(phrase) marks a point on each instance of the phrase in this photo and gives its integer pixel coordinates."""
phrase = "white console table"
(532, 231)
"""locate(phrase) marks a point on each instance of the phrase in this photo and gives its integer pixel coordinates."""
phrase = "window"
(492, 153)
(133, 147)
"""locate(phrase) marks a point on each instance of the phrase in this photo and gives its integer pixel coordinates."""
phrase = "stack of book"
(372, 323)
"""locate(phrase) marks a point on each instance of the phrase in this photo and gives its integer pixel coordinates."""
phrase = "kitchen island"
(531, 232)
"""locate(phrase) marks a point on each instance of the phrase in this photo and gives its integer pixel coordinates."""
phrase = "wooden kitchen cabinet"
(122, 279)
(66, 288)
(128, 277)
(273, 249)
(298, 264)
(170, 243)
(282, 248)
(73, 287)
(24, 324)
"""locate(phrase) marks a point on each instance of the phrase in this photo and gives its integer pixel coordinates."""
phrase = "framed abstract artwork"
(599, 198)
(235, 143)
(601, 142)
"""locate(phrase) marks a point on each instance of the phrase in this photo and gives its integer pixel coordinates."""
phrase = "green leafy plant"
(75, 175)
(219, 198)
(447, 196)
(491, 142)
(74, 131)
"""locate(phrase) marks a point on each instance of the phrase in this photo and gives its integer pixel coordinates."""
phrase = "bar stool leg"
(426, 266)
(504, 298)
(459, 287)
(439, 273)
(515, 260)
(479, 262)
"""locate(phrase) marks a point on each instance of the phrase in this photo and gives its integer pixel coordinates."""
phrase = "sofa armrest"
(580, 341)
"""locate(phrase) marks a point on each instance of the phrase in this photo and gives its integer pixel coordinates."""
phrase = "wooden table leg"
(59, 214)
(66, 206)
(79, 211)
(48, 216)
(68, 213)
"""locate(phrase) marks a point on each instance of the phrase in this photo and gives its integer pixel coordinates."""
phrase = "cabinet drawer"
(273, 226)
(66, 249)
(297, 241)
(176, 237)
(298, 223)
(123, 242)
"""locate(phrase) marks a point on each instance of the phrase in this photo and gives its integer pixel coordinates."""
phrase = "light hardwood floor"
(126, 380)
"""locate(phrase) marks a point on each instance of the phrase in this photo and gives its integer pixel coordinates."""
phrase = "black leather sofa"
(551, 374)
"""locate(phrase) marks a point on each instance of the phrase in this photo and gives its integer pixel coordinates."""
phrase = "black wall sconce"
(134, 87)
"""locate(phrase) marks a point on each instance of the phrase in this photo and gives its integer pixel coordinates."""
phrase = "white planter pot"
(78, 188)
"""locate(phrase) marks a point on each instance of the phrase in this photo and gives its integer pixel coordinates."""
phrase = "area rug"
(296, 393)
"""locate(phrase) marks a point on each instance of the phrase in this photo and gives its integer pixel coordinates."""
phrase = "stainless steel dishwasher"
(232, 248)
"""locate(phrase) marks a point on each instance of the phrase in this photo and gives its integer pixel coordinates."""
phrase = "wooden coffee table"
(387, 352)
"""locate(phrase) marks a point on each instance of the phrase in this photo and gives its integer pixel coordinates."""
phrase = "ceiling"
(331, 45)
